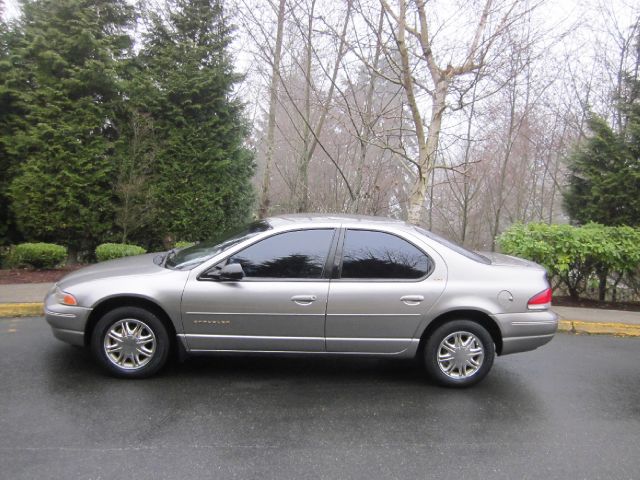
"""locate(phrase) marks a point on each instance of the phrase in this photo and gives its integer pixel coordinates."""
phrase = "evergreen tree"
(136, 212)
(5, 108)
(604, 179)
(201, 169)
(629, 106)
(11, 119)
(67, 86)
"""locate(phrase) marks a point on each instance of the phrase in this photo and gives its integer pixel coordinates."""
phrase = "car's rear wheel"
(130, 342)
(459, 353)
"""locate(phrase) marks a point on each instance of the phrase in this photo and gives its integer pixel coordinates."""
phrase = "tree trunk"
(273, 99)
(72, 255)
(426, 146)
(573, 293)
(366, 129)
(441, 77)
(503, 169)
(311, 143)
(602, 285)
(466, 188)
(614, 290)
(427, 152)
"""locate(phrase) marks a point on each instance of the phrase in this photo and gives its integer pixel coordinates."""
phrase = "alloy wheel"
(460, 355)
(129, 344)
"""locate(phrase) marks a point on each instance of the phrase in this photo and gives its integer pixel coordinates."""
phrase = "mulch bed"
(19, 275)
(587, 303)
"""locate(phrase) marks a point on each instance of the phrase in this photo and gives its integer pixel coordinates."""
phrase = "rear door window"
(374, 255)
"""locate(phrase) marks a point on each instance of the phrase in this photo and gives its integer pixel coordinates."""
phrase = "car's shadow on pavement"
(259, 371)
(359, 376)
(298, 368)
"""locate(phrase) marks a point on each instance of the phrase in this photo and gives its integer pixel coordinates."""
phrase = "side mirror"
(231, 271)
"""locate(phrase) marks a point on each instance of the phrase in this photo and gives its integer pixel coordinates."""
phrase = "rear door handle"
(412, 299)
(304, 299)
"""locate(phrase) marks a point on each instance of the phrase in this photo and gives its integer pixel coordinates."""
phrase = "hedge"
(574, 255)
(110, 251)
(36, 255)
(183, 244)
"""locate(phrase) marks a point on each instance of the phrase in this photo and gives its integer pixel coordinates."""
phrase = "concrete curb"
(569, 326)
(599, 328)
(21, 309)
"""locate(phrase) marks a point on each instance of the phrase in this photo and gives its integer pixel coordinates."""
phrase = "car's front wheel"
(130, 342)
(459, 353)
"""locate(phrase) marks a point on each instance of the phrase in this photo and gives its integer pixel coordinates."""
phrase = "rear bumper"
(67, 323)
(522, 332)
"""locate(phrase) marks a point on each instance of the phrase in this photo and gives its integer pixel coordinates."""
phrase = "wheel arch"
(465, 314)
(112, 303)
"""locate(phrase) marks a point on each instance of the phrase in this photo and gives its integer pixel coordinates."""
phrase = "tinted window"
(193, 256)
(300, 254)
(381, 255)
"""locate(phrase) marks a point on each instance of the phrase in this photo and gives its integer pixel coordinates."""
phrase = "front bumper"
(67, 322)
(522, 332)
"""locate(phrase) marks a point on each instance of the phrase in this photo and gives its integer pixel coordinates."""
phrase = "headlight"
(65, 298)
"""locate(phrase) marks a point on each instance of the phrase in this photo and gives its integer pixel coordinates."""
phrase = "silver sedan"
(310, 284)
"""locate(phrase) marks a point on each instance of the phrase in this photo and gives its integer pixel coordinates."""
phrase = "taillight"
(540, 301)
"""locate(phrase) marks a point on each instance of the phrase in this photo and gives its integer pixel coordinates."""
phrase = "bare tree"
(458, 115)
(273, 99)
(441, 79)
(313, 130)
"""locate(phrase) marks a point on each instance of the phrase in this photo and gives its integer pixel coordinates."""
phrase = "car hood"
(136, 265)
(502, 260)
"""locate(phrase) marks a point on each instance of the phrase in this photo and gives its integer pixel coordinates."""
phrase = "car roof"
(310, 219)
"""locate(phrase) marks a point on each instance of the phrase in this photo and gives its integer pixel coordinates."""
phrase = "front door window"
(299, 254)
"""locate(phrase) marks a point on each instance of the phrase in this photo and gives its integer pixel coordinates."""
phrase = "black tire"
(455, 377)
(144, 364)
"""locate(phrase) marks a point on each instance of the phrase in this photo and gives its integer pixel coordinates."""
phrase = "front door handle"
(412, 299)
(304, 299)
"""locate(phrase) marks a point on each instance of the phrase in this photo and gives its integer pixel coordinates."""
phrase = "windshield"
(453, 246)
(190, 257)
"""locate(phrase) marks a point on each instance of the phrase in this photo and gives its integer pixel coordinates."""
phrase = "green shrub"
(109, 251)
(184, 244)
(575, 256)
(36, 255)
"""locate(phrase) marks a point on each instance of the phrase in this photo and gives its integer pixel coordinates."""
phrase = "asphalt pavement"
(568, 410)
